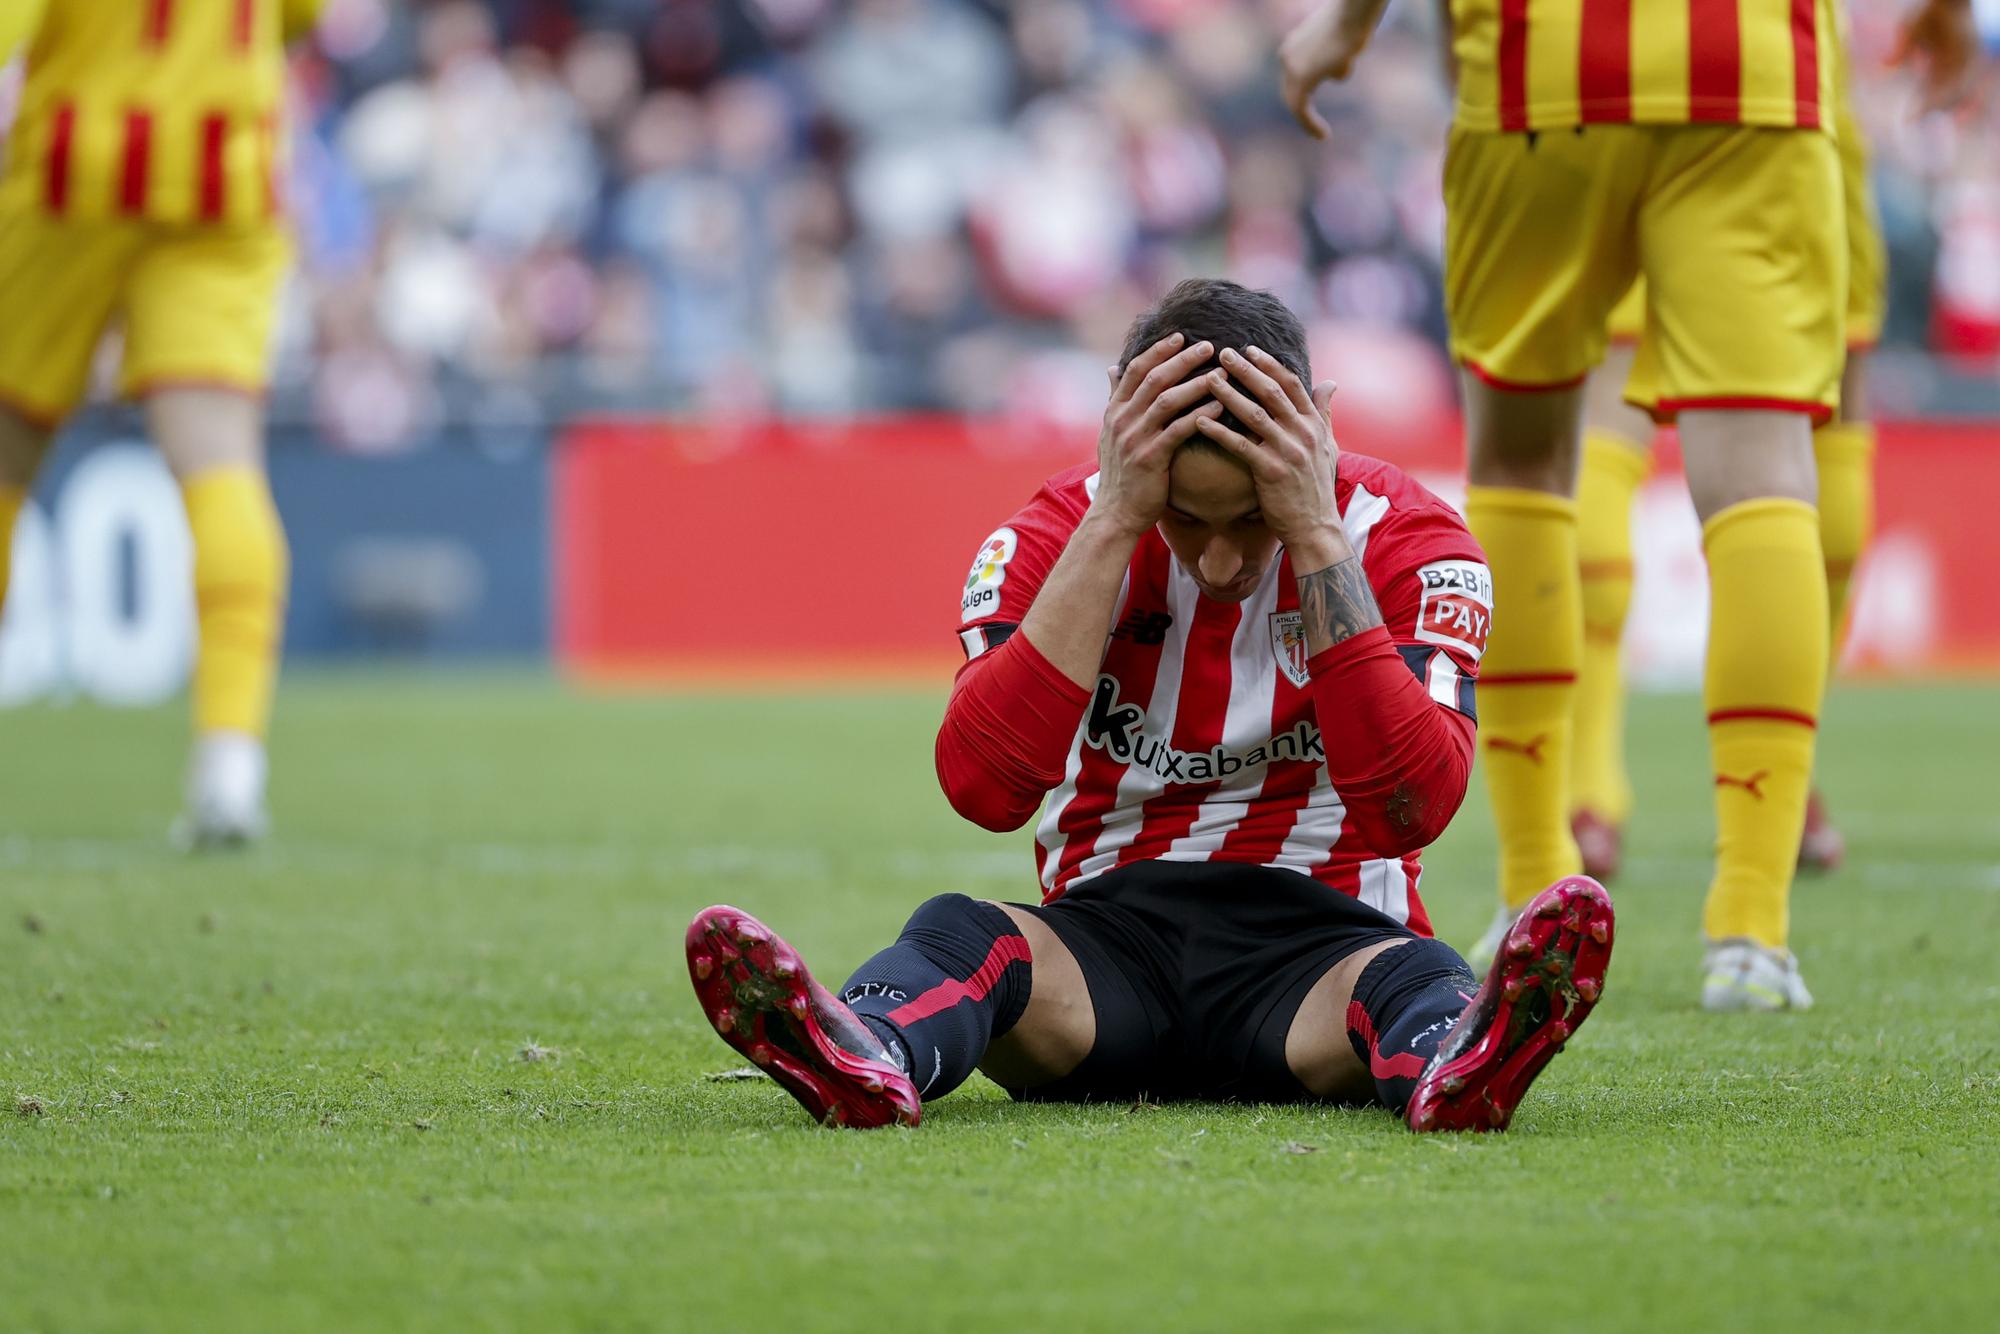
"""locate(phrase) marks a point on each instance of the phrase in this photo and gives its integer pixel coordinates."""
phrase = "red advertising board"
(787, 551)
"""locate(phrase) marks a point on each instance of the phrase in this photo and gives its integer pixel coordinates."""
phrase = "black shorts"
(1196, 970)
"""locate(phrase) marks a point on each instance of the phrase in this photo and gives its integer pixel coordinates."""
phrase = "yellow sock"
(1528, 680)
(1846, 453)
(1613, 468)
(11, 500)
(1767, 664)
(240, 571)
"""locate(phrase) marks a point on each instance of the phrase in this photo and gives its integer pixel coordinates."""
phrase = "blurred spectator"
(828, 206)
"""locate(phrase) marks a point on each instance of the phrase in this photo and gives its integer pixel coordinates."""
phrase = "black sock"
(956, 978)
(1405, 1003)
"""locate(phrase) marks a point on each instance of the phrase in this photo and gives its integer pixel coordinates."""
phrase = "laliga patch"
(1457, 606)
(1288, 645)
(989, 571)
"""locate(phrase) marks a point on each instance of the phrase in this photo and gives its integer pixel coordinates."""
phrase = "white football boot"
(1743, 975)
(1481, 955)
(225, 793)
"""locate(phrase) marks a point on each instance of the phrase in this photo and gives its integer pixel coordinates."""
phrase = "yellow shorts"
(1737, 231)
(1867, 267)
(197, 305)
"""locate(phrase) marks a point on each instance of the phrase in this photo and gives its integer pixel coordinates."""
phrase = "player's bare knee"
(22, 446)
(198, 429)
(1528, 440)
(1735, 456)
(1058, 1028)
(1317, 1048)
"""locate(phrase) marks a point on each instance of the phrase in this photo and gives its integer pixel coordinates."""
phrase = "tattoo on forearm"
(1337, 604)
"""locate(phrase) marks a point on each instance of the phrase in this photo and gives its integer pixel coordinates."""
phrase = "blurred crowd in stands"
(739, 207)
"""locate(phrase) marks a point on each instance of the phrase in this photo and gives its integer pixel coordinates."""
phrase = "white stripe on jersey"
(1364, 510)
(1253, 684)
(1385, 887)
(1049, 833)
(1139, 784)
(1443, 678)
(1319, 821)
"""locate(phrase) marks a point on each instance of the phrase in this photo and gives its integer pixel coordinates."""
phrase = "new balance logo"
(1144, 627)
(1531, 749)
(1753, 784)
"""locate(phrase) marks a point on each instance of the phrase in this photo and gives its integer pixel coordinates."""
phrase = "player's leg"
(1747, 276)
(200, 310)
(1617, 455)
(1405, 1023)
(22, 445)
(1845, 446)
(1539, 247)
(966, 985)
(58, 284)
(1844, 450)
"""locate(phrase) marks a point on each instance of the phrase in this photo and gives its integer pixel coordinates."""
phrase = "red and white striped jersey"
(1200, 741)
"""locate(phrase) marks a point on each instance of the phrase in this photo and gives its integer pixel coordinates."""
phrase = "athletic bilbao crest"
(1288, 644)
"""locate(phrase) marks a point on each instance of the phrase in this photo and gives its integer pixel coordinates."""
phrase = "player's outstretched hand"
(1150, 413)
(1942, 38)
(1323, 46)
(1292, 455)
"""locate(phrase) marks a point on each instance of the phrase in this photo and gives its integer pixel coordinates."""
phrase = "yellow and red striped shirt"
(1553, 64)
(164, 110)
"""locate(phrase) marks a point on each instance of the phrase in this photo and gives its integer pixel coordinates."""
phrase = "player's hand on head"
(1151, 413)
(1941, 37)
(1323, 45)
(1289, 448)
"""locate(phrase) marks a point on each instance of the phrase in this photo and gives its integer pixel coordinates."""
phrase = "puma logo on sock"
(1532, 749)
(1750, 784)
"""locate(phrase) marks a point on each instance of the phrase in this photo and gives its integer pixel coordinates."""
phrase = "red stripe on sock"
(1006, 950)
(1764, 715)
(1409, 1065)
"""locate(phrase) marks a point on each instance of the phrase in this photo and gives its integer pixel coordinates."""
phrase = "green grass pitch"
(430, 1061)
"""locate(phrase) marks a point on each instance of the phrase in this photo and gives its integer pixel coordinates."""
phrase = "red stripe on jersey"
(1805, 62)
(1513, 64)
(245, 28)
(62, 145)
(1137, 667)
(1006, 950)
(134, 179)
(1604, 60)
(213, 184)
(1288, 784)
(1199, 717)
(1715, 61)
(267, 152)
(159, 22)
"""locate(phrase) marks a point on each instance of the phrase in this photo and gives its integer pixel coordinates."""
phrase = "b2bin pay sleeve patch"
(1457, 605)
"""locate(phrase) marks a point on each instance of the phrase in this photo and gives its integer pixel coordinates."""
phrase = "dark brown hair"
(1228, 315)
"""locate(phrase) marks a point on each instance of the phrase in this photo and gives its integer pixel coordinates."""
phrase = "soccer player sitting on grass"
(1238, 664)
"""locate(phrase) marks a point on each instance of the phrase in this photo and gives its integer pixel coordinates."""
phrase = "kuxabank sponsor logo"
(1119, 731)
